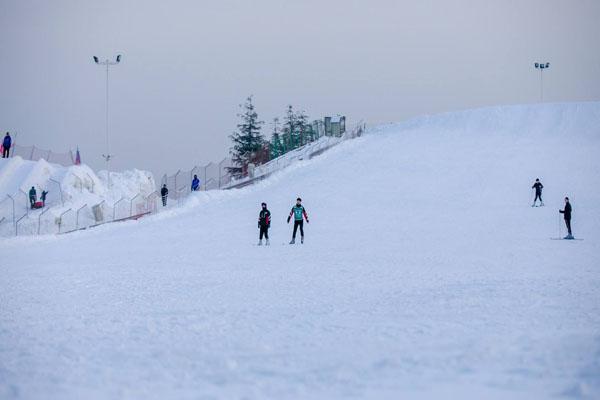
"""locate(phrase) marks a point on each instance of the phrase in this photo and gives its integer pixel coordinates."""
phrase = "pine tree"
(247, 140)
(302, 128)
(297, 126)
(290, 128)
(275, 147)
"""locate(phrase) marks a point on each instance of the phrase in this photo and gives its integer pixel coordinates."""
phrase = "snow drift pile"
(70, 189)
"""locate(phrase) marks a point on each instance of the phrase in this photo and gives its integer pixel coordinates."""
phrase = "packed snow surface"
(426, 273)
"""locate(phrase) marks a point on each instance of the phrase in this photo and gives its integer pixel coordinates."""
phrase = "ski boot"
(267, 243)
(302, 240)
(569, 237)
(260, 242)
(293, 241)
(542, 204)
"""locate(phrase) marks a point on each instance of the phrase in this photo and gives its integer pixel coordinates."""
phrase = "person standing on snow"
(164, 192)
(298, 212)
(264, 223)
(538, 192)
(43, 197)
(6, 143)
(32, 196)
(567, 212)
(195, 184)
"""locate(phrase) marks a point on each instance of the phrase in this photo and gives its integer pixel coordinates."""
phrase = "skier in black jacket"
(264, 223)
(538, 192)
(164, 192)
(567, 212)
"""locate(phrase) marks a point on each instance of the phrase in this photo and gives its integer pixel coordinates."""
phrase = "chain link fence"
(212, 176)
(33, 153)
(17, 219)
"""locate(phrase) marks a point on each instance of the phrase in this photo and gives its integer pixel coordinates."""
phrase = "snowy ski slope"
(425, 274)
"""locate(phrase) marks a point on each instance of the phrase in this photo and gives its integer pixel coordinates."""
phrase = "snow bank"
(425, 274)
(69, 188)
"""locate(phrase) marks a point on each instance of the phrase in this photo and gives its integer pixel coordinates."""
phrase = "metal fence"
(212, 176)
(18, 219)
(35, 153)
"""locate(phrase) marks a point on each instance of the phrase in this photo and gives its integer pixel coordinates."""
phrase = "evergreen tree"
(302, 128)
(290, 128)
(296, 124)
(275, 147)
(247, 140)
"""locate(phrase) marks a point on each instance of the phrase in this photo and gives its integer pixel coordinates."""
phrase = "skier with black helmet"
(164, 193)
(264, 223)
(538, 192)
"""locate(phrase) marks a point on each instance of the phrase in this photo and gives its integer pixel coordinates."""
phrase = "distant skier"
(264, 223)
(567, 212)
(195, 184)
(32, 196)
(164, 192)
(298, 212)
(538, 192)
(6, 143)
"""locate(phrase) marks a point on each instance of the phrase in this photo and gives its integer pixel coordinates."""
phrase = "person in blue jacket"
(195, 183)
(6, 143)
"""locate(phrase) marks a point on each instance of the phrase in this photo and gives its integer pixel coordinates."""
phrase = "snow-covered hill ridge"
(545, 119)
(425, 273)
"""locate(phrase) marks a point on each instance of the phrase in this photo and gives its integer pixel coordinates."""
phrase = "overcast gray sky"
(187, 65)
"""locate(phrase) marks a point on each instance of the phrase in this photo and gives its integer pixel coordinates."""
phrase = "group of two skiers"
(264, 222)
(164, 192)
(566, 211)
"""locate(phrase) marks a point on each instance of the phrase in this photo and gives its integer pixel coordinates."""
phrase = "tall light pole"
(107, 156)
(542, 67)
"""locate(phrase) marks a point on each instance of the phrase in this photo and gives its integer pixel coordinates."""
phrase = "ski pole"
(559, 235)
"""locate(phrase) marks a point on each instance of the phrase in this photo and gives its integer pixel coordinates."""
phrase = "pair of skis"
(569, 237)
(292, 242)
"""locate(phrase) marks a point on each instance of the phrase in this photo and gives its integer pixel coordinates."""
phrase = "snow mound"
(69, 188)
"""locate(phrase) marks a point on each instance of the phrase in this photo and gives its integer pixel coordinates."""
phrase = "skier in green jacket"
(32, 196)
(299, 213)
